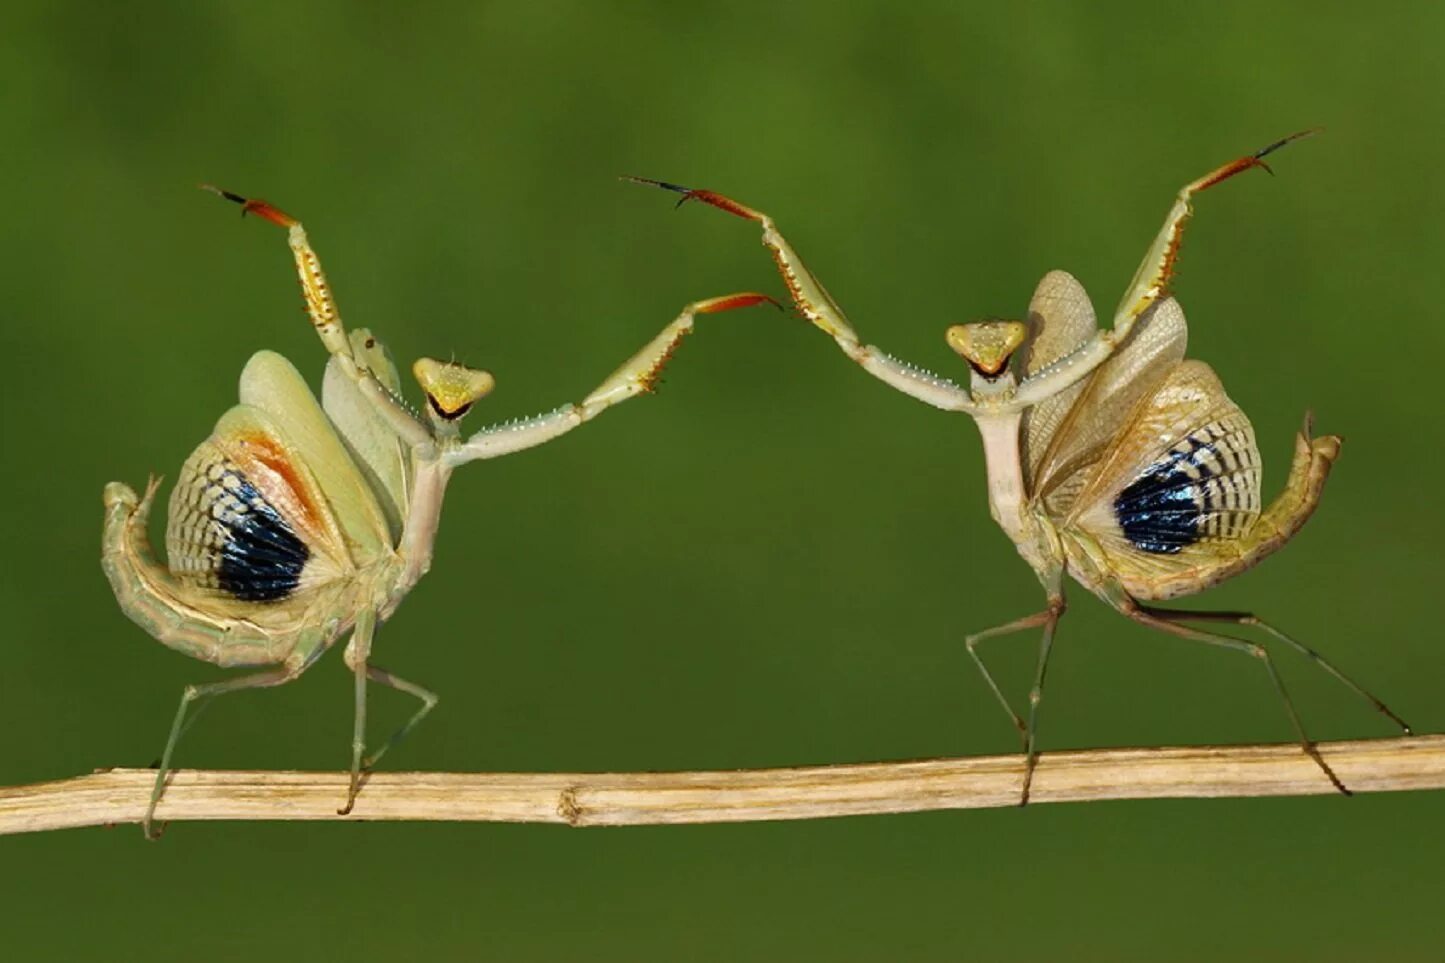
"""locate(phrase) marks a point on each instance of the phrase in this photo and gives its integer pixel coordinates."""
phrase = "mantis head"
(451, 389)
(988, 346)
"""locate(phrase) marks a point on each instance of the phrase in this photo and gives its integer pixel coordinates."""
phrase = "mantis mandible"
(1111, 458)
(295, 523)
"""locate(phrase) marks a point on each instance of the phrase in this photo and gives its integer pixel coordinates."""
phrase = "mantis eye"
(451, 388)
(987, 345)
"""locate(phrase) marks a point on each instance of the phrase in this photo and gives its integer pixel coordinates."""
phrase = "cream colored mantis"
(1110, 457)
(295, 523)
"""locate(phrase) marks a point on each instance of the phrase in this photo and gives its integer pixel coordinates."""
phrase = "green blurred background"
(774, 561)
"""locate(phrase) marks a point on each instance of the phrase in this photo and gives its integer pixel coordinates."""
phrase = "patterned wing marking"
(252, 553)
(247, 520)
(1206, 486)
(1180, 488)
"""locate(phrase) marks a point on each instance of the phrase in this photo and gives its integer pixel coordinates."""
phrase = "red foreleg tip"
(692, 194)
(730, 301)
(723, 204)
(1254, 160)
(250, 206)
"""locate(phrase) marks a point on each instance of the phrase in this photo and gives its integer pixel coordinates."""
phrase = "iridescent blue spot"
(262, 558)
(1160, 511)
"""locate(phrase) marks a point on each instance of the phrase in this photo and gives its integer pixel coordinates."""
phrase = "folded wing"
(1069, 443)
(272, 384)
(374, 446)
(1061, 319)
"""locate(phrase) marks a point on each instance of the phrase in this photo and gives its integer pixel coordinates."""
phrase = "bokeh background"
(775, 559)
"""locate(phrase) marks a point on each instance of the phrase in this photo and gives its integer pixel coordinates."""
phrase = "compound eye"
(987, 345)
(451, 388)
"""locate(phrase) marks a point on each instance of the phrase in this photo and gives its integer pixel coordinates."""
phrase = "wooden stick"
(632, 799)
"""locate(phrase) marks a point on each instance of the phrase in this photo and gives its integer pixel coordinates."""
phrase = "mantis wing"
(248, 519)
(1179, 487)
(1061, 318)
(1099, 412)
(273, 385)
(374, 446)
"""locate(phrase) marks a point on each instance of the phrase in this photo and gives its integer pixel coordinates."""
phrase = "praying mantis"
(295, 522)
(1111, 458)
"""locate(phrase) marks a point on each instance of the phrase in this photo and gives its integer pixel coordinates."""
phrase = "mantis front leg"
(356, 353)
(1151, 280)
(637, 376)
(814, 303)
(320, 306)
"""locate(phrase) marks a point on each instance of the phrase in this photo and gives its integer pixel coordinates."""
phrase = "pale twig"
(622, 799)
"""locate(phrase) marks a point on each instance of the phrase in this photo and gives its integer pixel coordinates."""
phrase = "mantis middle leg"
(1049, 620)
(357, 656)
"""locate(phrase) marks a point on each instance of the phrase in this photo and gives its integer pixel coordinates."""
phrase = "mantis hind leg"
(204, 694)
(1249, 618)
(1169, 620)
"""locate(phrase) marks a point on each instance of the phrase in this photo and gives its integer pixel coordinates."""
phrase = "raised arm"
(814, 303)
(1150, 284)
(326, 319)
(635, 377)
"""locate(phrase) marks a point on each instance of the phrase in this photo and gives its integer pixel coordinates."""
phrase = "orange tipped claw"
(707, 197)
(1253, 160)
(730, 301)
(258, 207)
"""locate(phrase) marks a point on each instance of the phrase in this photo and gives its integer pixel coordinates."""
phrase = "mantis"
(1111, 458)
(296, 523)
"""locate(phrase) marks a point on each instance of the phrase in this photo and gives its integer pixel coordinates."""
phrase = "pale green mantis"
(1110, 457)
(295, 523)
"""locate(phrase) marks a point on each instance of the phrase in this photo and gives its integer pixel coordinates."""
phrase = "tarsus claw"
(249, 206)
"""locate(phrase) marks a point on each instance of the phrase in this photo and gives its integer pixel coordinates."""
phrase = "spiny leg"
(205, 693)
(814, 303)
(1151, 280)
(1168, 621)
(1249, 618)
(359, 354)
(638, 375)
(320, 306)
